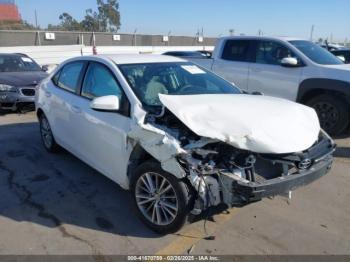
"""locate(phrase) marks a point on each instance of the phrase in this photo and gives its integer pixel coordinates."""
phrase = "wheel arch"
(39, 112)
(310, 88)
(138, 156)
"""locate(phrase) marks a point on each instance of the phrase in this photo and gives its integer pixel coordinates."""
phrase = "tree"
(90, 22)
(69, 23)
(108, 16)
(107, 19)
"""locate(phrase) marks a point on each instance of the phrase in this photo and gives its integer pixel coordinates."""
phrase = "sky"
(216, 17)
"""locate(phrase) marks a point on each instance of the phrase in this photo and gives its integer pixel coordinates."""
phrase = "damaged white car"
(179, 137)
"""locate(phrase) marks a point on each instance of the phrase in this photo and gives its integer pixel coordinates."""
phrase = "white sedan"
(179, 137)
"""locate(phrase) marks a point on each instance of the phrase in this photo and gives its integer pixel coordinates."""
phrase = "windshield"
(150, 80)
(17, 63)
(316, 53)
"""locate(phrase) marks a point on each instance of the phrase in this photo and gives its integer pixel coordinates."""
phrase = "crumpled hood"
(259, 124)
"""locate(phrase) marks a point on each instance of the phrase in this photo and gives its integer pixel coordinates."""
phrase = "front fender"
(315, 86)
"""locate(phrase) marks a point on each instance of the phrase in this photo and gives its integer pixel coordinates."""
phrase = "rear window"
(69, 76)
(236, 50)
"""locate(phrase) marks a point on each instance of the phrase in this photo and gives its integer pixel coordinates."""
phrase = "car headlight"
(7, 88)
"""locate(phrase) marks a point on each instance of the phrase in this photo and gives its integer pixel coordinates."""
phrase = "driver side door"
(268, 76)
(102, 138)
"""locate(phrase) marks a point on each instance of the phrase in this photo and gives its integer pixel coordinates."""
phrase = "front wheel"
(160, 198)
(332, 112)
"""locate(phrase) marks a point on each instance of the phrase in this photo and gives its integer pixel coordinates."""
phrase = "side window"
(55, 78)
(236, 50)
(99, 81)
(271, 53)
(69, 76)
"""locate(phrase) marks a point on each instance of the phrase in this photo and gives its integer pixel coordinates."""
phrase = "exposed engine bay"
(214, 168)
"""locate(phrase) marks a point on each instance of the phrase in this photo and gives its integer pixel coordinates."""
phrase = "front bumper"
(13, 100)
(255, 191)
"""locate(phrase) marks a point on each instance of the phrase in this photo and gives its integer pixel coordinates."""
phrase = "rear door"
(268, 76)
(61, 97)
(234, 62)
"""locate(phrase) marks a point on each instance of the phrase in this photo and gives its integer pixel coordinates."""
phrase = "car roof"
(282, 38)
(139, 58)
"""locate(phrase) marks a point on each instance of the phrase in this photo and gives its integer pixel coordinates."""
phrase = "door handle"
(76, 109)
(48, 94)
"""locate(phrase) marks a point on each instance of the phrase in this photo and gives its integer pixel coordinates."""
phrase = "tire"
(332, 111)
(177, 196)
(47, 137)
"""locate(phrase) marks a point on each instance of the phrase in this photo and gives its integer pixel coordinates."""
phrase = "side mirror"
(290, 62)
(45, 68)
(106, 103)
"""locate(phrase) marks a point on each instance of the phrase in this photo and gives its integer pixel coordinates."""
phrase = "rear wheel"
(332, 112)
(46, 135)
(160, 198)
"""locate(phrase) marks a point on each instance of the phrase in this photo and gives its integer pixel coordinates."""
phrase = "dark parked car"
(19, 76)
(185, 54)
(343, 53)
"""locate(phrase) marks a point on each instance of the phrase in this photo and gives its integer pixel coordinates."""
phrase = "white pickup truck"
(290, 68)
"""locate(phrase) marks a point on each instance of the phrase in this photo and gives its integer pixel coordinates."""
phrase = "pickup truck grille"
(28, 91)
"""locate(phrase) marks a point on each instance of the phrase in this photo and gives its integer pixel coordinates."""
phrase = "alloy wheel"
(156, 198)
(46, 133)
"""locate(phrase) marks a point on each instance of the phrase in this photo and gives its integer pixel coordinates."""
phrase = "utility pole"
(169, 33)
(312, 33)
(36, 19)
(94, 49)
(135, 36)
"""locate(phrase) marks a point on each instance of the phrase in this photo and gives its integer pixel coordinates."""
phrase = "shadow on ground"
(57, 189)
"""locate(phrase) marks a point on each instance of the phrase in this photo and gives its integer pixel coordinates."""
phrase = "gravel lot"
(56, 204)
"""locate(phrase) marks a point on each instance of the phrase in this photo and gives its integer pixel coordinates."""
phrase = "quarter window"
(236, 50)
(272, 53)
(56, 77)
(99, 81)
(69, 76)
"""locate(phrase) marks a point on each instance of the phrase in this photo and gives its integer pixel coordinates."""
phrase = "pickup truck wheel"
(160, 198)
(332, 112)
(47, 136)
